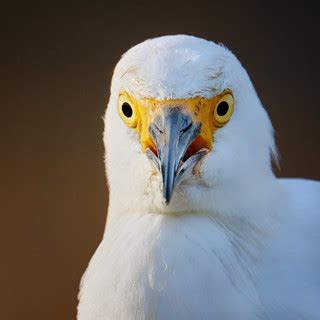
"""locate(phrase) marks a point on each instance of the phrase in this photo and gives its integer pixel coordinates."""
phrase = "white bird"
(198, 225)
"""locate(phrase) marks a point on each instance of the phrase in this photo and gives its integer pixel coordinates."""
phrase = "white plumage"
(234, 243)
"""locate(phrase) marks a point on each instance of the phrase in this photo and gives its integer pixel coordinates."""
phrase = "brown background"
(56, 65)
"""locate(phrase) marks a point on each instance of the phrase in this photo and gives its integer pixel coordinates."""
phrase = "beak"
(173, 131)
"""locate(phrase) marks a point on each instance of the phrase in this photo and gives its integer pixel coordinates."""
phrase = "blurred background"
(56, 66)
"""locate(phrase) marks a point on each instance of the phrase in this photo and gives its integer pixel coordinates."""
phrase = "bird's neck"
(235, 204)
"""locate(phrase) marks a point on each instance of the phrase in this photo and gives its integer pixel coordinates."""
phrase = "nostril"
(157, 128)
(155, 132)
(183, 130)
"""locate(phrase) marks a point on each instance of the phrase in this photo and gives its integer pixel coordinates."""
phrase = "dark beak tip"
(167, 197)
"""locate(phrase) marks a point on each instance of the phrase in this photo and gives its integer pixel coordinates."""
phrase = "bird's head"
(183, 123)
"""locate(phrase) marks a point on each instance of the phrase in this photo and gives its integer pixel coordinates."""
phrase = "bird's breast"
(164, 267)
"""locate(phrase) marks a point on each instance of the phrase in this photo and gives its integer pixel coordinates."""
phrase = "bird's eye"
(127, 110)
(223, 109)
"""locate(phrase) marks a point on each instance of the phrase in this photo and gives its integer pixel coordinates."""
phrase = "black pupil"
(222, 108)
(127, 110)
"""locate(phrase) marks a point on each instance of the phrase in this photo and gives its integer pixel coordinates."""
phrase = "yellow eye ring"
(223, 109)
(127, 111)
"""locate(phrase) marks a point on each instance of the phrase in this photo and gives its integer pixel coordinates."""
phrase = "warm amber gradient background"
(56, 65)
